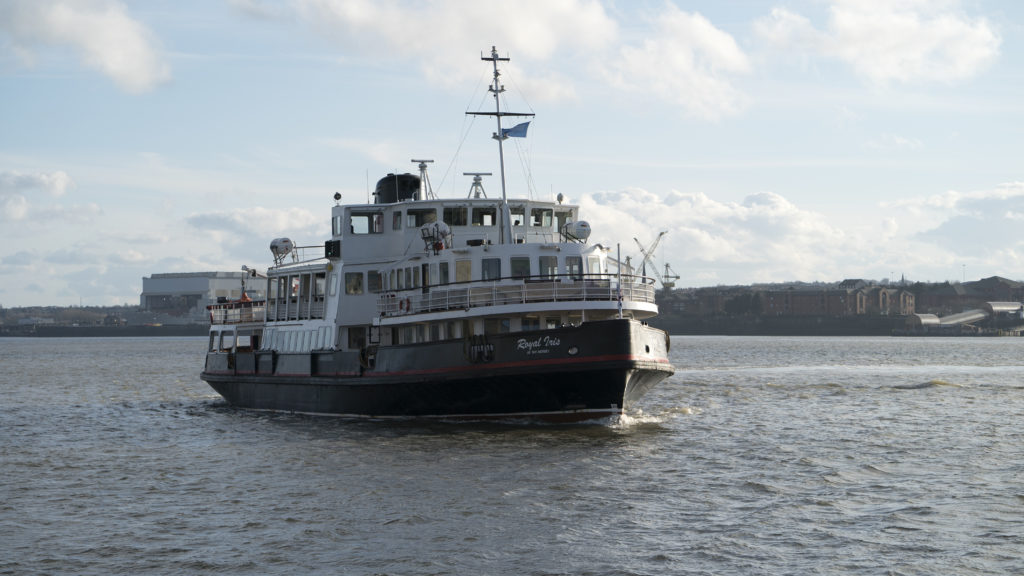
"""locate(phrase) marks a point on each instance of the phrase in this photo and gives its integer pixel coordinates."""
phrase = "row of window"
(298, 296)
(454, 329)
(229, 341)
(320, 338)
(298, 340)
(371, 221)
(437, 273)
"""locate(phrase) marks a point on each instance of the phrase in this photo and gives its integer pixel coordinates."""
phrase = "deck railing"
(465, 295)
(295, 309)
(238, 312)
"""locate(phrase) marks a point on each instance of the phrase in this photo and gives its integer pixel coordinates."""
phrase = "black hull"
(566, 374)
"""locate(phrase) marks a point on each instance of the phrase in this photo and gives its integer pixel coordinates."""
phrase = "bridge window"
(518, 215)
(519, 266)
(353, 283)
(574, 266)
(490, 269)
(455, 215)
(463, 270)
(367, 223)
(319, 284)
(418, 217)
(561, 218)
(485, 216)
(548, 266)
(540, 217)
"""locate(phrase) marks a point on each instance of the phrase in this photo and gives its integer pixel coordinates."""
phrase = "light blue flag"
(517, 131)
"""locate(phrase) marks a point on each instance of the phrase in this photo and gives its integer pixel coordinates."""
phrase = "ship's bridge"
(383, 230)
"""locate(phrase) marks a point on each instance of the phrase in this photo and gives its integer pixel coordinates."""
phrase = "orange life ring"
(408, 305)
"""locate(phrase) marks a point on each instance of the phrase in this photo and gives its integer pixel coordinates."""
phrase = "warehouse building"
(185, 295)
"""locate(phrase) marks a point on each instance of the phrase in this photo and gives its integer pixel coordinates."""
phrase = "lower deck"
(595, 368)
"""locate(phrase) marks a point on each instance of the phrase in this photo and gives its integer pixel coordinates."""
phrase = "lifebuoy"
(408, 305)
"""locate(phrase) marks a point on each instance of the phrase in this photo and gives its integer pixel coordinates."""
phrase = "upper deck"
(371, 232)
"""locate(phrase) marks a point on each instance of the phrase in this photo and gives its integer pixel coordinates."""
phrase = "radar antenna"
(426, 190)
(476, 190)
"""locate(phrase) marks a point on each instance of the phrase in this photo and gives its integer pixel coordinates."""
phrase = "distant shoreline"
(724, 325)
(51, 331)
(674, 325)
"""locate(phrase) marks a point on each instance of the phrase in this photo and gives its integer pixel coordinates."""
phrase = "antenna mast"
(426, 190)
(477, 189)
(497, 88)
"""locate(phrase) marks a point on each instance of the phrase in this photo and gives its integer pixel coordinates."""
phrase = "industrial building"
(183, 297)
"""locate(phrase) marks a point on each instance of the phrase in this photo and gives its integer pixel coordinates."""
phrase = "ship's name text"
(540, 345)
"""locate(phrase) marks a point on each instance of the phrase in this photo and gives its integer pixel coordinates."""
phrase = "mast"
(496, 88)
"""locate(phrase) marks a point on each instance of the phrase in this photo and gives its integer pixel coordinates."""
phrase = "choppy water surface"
(760, 456)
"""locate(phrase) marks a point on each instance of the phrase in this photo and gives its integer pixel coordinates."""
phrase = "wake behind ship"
(443, 308)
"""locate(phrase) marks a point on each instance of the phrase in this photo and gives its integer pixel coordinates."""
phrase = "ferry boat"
(454, 308)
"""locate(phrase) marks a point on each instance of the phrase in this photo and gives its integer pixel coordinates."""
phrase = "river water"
(760, 456)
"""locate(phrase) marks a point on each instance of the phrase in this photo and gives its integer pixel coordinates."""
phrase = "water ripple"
(759, 456)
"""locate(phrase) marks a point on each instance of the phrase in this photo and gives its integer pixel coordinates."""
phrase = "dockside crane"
(668, 281)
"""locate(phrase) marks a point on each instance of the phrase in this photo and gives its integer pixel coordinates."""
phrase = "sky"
(774, 141)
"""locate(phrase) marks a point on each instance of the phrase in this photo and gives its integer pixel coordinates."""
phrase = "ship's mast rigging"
(496, 88)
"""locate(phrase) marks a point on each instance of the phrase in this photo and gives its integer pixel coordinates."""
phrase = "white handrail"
(463, 296)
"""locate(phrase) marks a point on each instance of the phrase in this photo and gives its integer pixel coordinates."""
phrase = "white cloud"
(441, 34)
(384, 152)
(783, 27)
(686, 61)
(895, 142)
(127, 257)
(767, 238)
(13, 207)
(79, 213)
(764, 237)
(979, 229)
(262, 9)
(979, 222)
(14, 186)
(18, 260)
(54, 183)
(683, 60)
(891, 40)
(951, 201)
(105, 37)
(257, 220)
